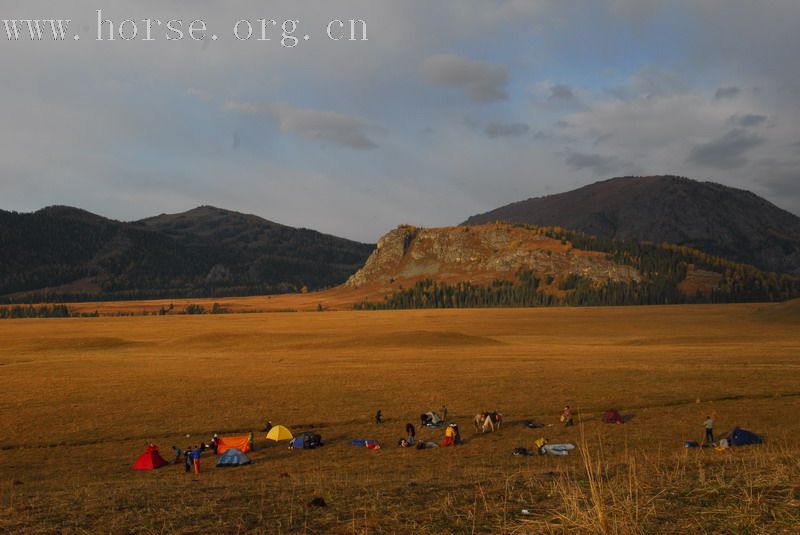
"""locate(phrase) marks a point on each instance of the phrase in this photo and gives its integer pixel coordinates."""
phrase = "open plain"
(80, 398)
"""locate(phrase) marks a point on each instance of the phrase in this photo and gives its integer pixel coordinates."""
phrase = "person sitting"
(411, 433)
(403, 443)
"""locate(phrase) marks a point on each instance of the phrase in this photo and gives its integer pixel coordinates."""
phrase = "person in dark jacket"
(378, 417)
(178, 454)
(187, 459)
(457, 433)
(411, 433)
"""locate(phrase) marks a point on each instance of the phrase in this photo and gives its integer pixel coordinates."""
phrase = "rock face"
(479, 254)
(723, 221)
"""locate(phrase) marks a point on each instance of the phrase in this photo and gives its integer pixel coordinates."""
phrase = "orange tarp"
(241, 443)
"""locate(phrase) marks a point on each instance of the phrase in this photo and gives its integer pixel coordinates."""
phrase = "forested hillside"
(63, 253)
(667, 274)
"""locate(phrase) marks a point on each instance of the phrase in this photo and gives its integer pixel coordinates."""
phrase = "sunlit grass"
(80, 399)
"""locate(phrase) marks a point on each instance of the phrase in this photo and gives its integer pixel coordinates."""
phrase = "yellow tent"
(279, 433)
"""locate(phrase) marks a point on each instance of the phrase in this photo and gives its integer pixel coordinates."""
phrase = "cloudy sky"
(449, 109)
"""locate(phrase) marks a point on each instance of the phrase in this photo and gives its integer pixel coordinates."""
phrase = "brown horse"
(488, 420)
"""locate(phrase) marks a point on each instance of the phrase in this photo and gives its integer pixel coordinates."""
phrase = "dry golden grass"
(80, 399)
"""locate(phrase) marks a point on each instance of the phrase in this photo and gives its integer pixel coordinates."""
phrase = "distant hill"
(507, 264)
(717, 219)
(67, 253)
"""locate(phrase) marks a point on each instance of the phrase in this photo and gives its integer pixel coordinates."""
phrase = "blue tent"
(743, 437)
(233, 457)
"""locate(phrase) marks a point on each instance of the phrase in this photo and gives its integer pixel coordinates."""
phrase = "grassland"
(81, 397)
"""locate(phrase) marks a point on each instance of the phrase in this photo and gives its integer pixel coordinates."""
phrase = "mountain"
(67, 253)
(717, 219)
(505, 264)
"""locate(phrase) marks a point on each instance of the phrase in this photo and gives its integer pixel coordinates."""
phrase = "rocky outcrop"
(479, 254)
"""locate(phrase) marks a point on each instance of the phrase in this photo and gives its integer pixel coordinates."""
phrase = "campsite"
(82, 399)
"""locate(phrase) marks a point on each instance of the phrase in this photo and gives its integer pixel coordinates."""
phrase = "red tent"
(149, 460)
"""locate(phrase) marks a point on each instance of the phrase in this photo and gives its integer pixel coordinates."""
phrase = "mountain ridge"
(64, 252)
(717, 219)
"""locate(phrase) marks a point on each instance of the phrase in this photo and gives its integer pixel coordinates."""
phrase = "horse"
(478, 421)
(488, 420)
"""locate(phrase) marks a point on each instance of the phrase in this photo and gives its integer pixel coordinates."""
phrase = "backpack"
(312, 440)
(520, 451)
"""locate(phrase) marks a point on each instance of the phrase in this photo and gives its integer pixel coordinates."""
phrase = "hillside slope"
(717, 219)
(67, 253)
(505, 264)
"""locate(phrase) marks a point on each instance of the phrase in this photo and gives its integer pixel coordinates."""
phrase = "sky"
(449, 109)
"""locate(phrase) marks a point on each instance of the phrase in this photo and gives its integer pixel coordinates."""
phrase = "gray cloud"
(747, 120)
(561, 92)
(315, 125)
(597, 163)
(727, 92)
(497, 129)
(779, 178)
(726, 152)
(482, 81)
(82, 139)
(785, 185)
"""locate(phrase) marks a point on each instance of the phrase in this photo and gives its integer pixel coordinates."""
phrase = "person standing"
(449, 437)
(566, 416)
(187, 459)
(709, 425)
(196, 460)
(178, 454)
(378, 417)
(456, 435)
